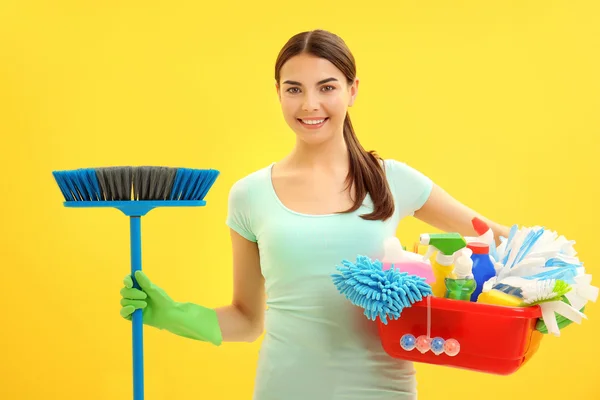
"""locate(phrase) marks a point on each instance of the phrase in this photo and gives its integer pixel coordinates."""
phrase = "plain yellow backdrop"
(498, 102)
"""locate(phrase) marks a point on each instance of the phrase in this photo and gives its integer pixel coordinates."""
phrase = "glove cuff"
(195, 322)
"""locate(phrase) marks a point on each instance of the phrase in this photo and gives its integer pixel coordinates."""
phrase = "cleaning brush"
(135, 191)
(539, 291)
(382, 294)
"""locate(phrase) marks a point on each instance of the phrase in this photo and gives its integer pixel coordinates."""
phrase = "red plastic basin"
(493, 339)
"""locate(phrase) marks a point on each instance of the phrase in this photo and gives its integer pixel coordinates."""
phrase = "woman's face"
(314, 97)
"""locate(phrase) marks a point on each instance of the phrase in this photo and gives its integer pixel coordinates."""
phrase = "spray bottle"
(446, 244)
(483, 267)
(461, 284)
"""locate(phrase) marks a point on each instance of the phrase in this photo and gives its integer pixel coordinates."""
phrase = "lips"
(313, 123)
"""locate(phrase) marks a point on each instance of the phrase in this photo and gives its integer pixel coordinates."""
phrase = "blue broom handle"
(137, 325)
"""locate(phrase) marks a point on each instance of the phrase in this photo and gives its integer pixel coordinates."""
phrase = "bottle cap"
(479, 248)
(479, 226)
(463, 266)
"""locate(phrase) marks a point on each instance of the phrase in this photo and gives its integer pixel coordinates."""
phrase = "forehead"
(306, 68)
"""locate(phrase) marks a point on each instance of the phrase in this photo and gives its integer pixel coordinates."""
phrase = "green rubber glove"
(160, 311)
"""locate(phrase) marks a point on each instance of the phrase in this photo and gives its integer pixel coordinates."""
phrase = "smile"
(313, 123)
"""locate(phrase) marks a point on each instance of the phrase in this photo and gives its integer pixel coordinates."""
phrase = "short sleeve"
(411, 187)
(239, 216)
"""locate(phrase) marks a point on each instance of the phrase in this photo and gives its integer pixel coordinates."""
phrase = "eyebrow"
(318, 83)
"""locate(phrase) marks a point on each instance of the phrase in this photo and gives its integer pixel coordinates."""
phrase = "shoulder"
(245, 199)
(251, 185)
(410, 187)
(396, 169)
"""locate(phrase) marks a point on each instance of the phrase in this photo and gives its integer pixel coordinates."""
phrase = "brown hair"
(366, 171)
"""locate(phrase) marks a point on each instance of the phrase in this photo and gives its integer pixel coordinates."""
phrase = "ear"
(277, 90)
(353, 91)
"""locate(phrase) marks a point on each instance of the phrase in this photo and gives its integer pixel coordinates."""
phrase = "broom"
(135, 191)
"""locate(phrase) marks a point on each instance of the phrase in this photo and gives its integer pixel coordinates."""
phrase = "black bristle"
(115, 183)
(154, 178)
(159, 182)
(137, 182)
(144, 182)
(135, 177)
(169, 183)
(153, 183)
(112, 183)
(103, 184)
(127, 182)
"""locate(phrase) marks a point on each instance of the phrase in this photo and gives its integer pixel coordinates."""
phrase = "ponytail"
(367, 174)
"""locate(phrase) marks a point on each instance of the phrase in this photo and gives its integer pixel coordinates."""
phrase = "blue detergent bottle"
(483, 267)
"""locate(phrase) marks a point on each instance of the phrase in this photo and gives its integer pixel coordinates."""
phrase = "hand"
(160, 311)
(155, 303)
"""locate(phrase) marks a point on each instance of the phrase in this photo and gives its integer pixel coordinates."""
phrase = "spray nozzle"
(446, 243)
(463, 264)
(425, 239)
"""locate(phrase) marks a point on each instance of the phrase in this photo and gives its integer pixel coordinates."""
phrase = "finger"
(143, 281)
(134, 303)
(133, 294)
(128, 282)
(127, 311)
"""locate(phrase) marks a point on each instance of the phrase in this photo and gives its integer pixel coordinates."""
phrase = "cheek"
(289, 107)
(335, 105)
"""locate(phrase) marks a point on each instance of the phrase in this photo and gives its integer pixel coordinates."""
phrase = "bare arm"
(447, 214)
(243, 320)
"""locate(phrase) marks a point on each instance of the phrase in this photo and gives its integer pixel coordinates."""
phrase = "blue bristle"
(382, 294)
(58, 177)
(78, 185)
(193, 184)
(204, 185)
(86, 188)
(68, 177)
(93, 180)
(179, 183)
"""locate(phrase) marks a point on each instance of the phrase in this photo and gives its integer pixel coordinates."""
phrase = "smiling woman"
(293, 221)
(316, 80)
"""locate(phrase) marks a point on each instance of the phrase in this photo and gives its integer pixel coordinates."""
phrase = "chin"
(313, 141)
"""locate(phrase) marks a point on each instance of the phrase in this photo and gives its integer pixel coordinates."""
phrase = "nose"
(310, 102)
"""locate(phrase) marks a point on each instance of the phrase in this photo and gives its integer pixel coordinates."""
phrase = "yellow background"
(497, 101)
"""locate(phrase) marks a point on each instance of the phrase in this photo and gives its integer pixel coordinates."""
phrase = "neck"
(330, 154)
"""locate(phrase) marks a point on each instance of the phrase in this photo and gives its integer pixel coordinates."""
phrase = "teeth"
(313, 121)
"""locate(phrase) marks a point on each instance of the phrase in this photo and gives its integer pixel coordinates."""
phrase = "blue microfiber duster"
(382, 294)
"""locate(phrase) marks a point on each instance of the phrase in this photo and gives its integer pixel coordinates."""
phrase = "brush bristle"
(544, 290)
(135, 183)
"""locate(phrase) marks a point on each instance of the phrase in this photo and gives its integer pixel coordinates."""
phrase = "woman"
(291, 223)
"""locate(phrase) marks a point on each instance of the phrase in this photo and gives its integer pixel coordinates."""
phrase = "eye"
(328, 88)
(293, 90)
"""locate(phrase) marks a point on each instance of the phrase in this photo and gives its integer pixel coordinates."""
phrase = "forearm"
(237, 326)
(444, 212)
(461, 221)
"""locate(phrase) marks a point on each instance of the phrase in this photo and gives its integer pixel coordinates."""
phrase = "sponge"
(500, 298)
